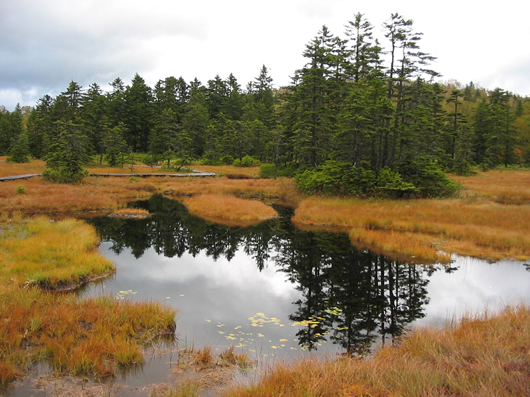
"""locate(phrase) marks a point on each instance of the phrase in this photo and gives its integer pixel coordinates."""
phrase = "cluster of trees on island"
(360, 117)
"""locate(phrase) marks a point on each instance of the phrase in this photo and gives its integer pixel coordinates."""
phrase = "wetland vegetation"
(43, 315)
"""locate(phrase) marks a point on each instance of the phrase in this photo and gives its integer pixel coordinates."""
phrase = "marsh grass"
(52, 255)
(282, 189)
(505, 187)
(93, 336)
(229, 170)
(483, 355)
(225, 207)
(201, 369)
(475, 227)
(11, 169)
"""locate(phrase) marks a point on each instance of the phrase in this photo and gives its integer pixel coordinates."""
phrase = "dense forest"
(360, 117)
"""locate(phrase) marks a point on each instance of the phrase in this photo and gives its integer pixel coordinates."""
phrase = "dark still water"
(279, 291)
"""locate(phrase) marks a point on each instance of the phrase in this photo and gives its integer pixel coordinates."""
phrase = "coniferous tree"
(41, 127)
(94, 118)
(67, 154)
(195, 120)
(138, 114)
(20, 149)
(115, 145)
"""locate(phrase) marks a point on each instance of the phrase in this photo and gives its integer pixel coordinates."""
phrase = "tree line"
(361, 116)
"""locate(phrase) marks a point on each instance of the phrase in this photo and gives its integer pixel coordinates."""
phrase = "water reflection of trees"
(350, 297)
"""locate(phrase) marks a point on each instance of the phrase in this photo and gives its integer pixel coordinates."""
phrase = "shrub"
(65, 175)
(338, 178)
(267, 171)
(227, 160)
(247, 161)
(429, 180)
(20, 189)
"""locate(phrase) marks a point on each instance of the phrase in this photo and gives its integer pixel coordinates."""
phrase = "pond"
(275, 290)
(278, 292)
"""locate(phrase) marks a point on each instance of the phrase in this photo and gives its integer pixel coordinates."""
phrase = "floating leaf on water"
(283, 340)
(221, 332)
(208, 321)
(168, 297)
(238, 327)
(261, 335)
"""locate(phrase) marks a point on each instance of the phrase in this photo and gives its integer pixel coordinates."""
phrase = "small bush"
(20, 189)
(267, 171)
(247, 161)
(227, 160)
(64, 175)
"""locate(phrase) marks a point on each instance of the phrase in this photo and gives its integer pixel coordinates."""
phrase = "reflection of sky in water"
(216, 299)
(475, 287)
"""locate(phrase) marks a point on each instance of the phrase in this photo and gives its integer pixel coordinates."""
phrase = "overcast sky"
(45, 44)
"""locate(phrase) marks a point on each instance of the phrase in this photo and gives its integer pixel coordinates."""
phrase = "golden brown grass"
(482, 356)
(477, 227)
(507, 187)
(229, 170)
(95, 194)
(12, 169)
(281, 189)
(91, 336)
(109, 193)
(223, 207)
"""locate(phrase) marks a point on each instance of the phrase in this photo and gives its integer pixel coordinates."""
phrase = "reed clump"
(485, 355)
(225, 207)
(91, 336)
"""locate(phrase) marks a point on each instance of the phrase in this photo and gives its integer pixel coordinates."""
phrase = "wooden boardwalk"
(194, 174)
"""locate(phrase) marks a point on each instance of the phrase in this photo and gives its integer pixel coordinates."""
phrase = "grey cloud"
(49, 42)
